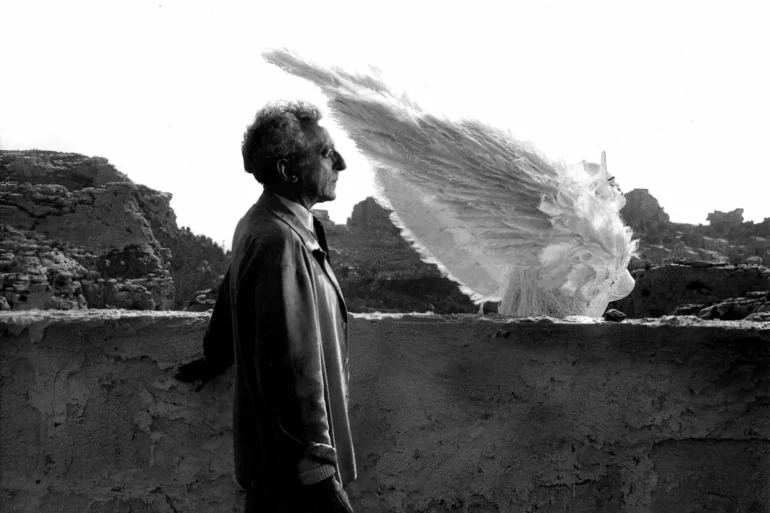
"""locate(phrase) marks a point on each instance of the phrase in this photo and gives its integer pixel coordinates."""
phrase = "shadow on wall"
(453, 413)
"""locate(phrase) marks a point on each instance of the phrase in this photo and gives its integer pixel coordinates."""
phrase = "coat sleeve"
(218, 339)
(287, 319)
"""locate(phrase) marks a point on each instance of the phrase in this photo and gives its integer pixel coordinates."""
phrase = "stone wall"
(460, 414)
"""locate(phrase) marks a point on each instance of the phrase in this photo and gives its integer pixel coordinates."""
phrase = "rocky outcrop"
(369, 215)
(643, 213)
(755, 306)
(448, 413)
(725, 222)
(102, 219)
(102, 229)
(130, 229)
(197, 263)
(37, 272)
(70, 170)
(686, 288)
(203, 300)
(726, 239)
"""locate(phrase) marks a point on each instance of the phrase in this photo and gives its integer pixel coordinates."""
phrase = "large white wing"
(492, 212)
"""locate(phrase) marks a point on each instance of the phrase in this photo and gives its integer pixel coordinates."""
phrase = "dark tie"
(320, 234)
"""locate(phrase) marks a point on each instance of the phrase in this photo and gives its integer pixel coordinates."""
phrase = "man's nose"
(339, 162)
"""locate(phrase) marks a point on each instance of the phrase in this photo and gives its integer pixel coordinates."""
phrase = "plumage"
(494, 213)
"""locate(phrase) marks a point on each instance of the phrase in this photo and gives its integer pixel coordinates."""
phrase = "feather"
(495, 214)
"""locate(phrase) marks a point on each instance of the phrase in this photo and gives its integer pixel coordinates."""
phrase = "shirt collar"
(303, 214)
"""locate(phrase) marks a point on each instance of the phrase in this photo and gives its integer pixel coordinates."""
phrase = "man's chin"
(330, 196)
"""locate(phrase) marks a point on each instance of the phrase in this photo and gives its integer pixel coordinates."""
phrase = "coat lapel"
(321, 232)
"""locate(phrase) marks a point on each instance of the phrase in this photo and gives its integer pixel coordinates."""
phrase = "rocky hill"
(78, 233)
(726, 239)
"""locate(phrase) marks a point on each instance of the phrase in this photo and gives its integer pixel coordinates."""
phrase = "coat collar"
(272, 203)
(303, 214)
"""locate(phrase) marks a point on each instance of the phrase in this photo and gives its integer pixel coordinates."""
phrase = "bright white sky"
(675, 92)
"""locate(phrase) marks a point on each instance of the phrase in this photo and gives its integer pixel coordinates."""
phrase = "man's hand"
(329, 496)
(198, 370)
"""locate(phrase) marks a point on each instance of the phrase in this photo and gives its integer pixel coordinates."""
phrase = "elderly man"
(281, 319)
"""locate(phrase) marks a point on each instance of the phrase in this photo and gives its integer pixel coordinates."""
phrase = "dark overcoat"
(280, 317)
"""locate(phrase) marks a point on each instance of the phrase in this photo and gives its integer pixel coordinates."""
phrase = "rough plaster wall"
(105, 427)
(452, 414)
(546, 418)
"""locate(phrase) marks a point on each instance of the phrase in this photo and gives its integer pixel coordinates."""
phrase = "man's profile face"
(319, 175)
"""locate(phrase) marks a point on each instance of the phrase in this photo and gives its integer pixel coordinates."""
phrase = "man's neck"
(291, 196)
(304, 215)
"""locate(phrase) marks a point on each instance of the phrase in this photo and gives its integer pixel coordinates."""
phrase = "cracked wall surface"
(450, 414)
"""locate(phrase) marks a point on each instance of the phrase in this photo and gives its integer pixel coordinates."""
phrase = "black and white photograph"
(384, 257)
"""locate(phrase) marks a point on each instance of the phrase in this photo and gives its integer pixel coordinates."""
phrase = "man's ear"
(283, 171)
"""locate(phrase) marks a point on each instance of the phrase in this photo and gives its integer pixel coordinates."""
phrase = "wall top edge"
(16, 321)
